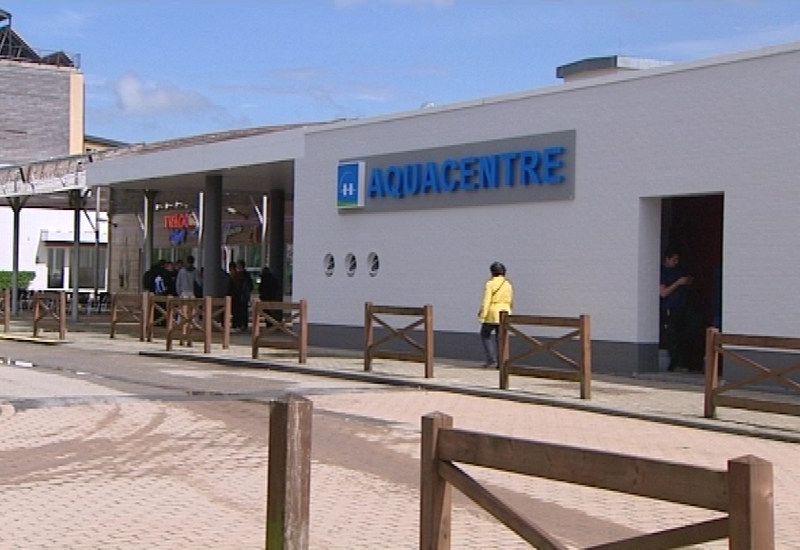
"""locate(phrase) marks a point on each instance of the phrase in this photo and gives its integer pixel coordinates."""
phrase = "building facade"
(577, 188)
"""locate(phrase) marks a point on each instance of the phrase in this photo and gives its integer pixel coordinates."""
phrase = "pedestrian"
(234, 285)
(170, 278)
(269, 290)
(149, 278)
(674, 310)
(498, 295)
(188, 276)
(245, 291)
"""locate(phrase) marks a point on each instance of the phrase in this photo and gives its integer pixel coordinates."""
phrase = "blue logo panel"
(350, 187)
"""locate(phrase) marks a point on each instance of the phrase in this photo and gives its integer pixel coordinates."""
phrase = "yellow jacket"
(498, 295)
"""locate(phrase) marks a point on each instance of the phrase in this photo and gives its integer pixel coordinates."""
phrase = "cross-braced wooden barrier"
(732, 347)
(5, 309)
(744, 493)
(187, 317)
(285, 326)
(129, 310)
(289, 474)
(579, 370)
(156, 316)
(50, 311)
(424, 350)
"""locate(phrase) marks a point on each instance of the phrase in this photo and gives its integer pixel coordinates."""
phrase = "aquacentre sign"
(531, 168)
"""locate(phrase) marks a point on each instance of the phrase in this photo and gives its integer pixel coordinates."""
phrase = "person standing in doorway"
(498, 295)
(674, 309)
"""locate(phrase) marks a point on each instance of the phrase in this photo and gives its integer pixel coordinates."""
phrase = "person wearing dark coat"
(269, 290)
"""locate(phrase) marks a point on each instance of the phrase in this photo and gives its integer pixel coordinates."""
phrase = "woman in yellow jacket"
(498, 295)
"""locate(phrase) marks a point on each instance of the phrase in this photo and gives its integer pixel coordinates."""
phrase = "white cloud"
(137, 97)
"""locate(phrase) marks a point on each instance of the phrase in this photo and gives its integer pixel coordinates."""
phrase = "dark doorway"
(693, 226)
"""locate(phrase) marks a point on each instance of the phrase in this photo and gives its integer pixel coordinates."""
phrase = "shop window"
(55, 268)
(88, 274)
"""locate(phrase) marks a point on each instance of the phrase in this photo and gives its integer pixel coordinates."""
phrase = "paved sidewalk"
(113, 471)
(673, 398)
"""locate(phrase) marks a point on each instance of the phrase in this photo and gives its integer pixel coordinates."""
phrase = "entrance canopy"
(249, 162)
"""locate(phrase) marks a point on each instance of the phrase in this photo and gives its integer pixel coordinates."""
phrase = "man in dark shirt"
(674, 307)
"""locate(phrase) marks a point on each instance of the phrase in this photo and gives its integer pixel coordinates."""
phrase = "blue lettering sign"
(470, 173)
(553, 164)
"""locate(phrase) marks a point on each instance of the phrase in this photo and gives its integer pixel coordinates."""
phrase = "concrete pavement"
(99, 468)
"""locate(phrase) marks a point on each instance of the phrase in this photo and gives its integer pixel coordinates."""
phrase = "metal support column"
(277, 247)
(212, 241)
(16, 205)
(76, 202)
(149, 214)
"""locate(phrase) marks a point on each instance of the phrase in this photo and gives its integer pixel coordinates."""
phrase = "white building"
(701, 155)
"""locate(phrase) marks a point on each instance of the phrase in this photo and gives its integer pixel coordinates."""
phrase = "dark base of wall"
(607, 357)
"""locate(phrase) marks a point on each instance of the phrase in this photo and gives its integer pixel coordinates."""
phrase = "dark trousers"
(489, 336)
(676, 326)
(240, 313)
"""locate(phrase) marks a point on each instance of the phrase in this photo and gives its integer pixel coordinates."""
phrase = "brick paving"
(86, 466)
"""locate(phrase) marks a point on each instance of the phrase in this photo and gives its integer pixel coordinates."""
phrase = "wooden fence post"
(586, 357)
(226, 323)
(503, 343)
(428, 324)
(208, 318)
(6, 310)
(435, 492)
(368, 333)
(289, 475)
(303, 343)
(751, 517)
(170, 323)
(144, 317)
(712, 375)
(62, 315)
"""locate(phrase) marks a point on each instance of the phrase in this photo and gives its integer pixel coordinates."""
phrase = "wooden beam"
(667, 481)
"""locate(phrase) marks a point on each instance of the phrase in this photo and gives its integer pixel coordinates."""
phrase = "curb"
(506, 395)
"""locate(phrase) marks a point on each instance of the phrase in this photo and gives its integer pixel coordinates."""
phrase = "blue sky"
(170, 68)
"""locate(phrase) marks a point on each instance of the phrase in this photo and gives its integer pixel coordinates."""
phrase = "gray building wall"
(35, 107)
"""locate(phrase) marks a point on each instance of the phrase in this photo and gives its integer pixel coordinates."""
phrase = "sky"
(161, 69)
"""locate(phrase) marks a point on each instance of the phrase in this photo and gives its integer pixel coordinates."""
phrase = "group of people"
(166, 278)
(240, 289)
(183, 279)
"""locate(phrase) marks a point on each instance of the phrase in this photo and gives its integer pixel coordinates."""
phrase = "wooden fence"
(156, 316)
(189, 316)
(744, 493)
(732, 346)
(50, 311)
(424, 350)
(129, 310)
(5, 309)
(280, 331)
(289, 474)
(576, 371)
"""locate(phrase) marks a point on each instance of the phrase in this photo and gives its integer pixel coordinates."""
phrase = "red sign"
(182, 220)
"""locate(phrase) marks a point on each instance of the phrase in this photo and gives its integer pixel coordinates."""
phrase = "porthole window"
(373, 263)
(350, 264)
(329, 264)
